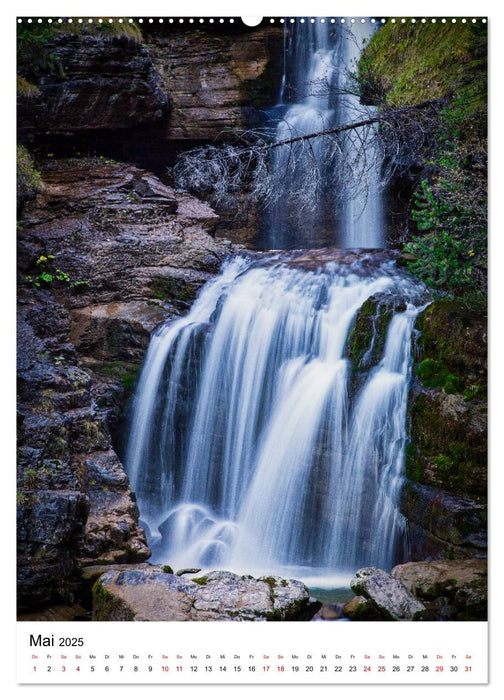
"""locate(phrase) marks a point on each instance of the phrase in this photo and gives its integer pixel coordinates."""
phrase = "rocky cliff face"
(445, 497)
(101, 85)
(105, 254)
(114, 96)
(217, 82)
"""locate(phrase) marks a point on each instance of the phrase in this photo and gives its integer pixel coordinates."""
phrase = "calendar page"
(252, 349)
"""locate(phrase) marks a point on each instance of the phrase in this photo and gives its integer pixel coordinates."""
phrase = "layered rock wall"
(105, 254)
(179, 86)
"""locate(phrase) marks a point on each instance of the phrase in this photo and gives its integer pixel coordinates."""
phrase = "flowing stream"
(256, 444)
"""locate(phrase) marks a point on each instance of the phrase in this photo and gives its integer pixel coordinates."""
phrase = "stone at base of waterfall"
(152, 594)
(391, 599)
(451, 589)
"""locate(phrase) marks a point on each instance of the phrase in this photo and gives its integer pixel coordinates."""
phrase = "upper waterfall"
(328, 189)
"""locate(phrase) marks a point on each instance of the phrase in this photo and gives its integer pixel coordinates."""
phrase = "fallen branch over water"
(289, 169)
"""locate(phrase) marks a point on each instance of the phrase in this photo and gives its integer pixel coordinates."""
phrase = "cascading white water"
(248, 449)
(362, 206)
(254, 445)
(330, 184)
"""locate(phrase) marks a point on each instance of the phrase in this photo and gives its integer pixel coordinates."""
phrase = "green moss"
(444, 463)
(167, 569)
(430, 372)
(168, 289)
(452, 384)
(413, 63)
(26, 89)
(475, 391)
(202, 581)
(367, 337)
(107, 606)
(270, 580)
(434, 374)
(453, 342)
(28, 179)
(125, 372)
(442, 450)
(274, 615)
(100, 594)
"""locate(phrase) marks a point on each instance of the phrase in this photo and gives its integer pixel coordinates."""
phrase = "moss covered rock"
(446, 458)
(413, 63)
(366, 339)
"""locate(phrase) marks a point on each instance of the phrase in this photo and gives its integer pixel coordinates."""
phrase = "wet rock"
(135, 253)
(51, 526)
(390, 597)
(366, 339)
(444, 525)
(453, 590)
(329, 612)
(152, 594)
(445, 495)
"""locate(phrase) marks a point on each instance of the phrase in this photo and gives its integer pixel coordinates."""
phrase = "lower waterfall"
(254, 445)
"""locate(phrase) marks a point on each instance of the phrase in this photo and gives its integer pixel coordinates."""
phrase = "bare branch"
(301, 167)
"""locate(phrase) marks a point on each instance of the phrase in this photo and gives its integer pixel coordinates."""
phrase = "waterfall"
(256, 444)
(362, 199)
(249, 448)
(329, 188)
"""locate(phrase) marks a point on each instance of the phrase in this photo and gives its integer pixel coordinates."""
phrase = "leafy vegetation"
(35, 58)
(447, 232)
(47, 273)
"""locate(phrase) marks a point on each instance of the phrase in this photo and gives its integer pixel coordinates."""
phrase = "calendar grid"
(171, 653)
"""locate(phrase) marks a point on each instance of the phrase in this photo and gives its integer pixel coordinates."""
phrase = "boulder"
(152, 594)
(455, 589)
(391, 598)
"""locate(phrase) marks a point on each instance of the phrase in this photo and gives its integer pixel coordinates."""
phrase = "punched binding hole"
(251, 21)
